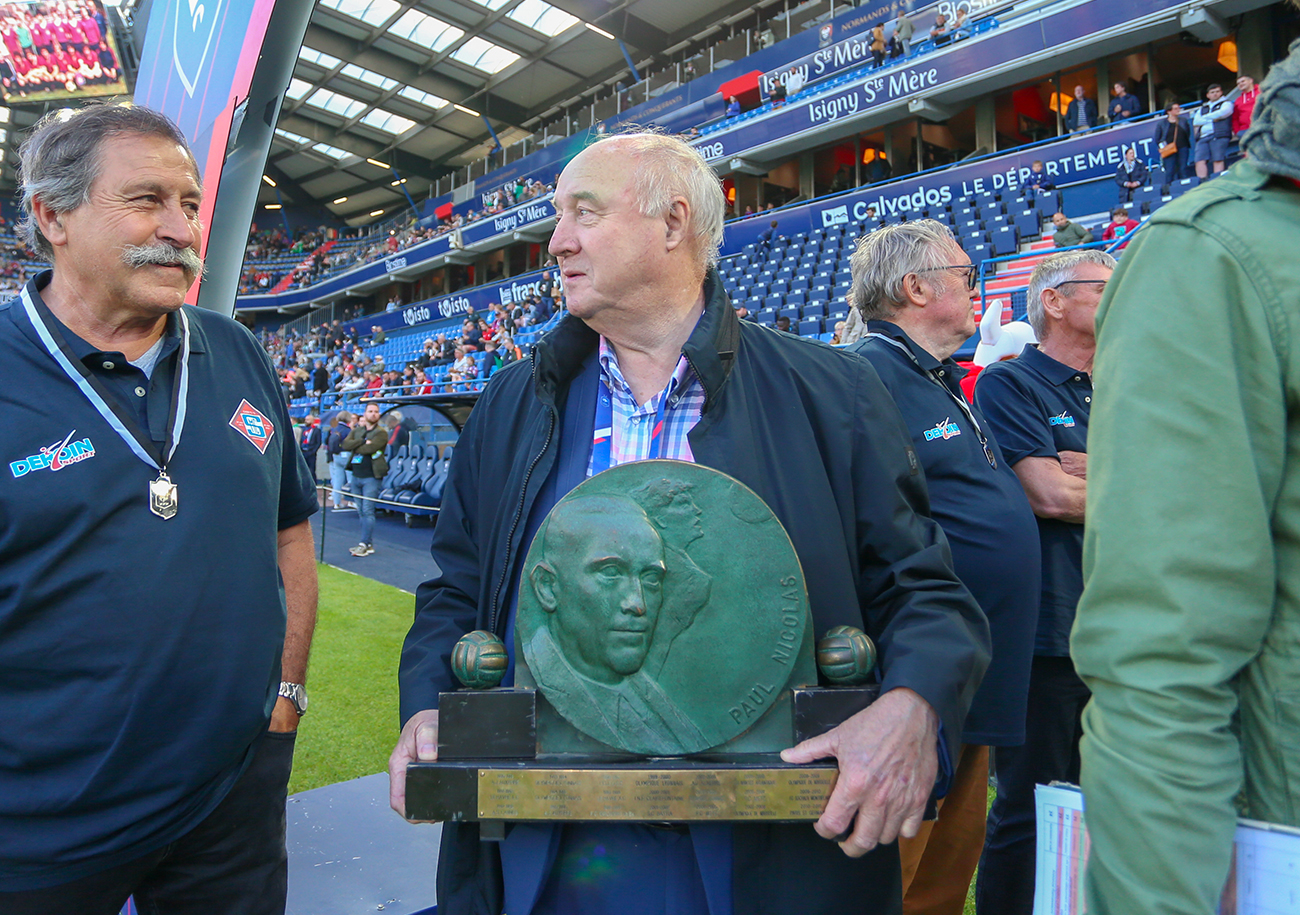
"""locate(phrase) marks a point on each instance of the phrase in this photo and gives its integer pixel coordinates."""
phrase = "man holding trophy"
(651, 362)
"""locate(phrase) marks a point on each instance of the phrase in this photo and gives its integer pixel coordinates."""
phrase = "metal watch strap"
(295, 693)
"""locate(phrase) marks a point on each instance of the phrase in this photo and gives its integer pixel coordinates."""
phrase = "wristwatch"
(295, 693)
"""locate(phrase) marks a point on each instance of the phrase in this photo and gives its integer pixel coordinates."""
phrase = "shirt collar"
(92, 357)
(613, 375)
(1057, 373)
(924, 357)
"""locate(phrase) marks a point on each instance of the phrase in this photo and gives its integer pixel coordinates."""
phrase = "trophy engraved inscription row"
(664, 656)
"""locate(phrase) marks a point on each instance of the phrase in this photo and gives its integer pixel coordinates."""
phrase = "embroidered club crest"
(253, 424)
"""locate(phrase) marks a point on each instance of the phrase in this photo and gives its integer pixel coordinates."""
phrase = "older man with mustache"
(157, 584)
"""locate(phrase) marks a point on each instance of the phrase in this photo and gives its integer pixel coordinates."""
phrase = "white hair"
(667, 168)
(884, 258)
(1053, 271)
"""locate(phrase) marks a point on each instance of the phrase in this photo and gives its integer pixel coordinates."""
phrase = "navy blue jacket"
(984, 513)
(815, 434)
(1139, 174)
(1072, 116)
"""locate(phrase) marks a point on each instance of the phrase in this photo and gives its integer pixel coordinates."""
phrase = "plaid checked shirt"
(633, 423)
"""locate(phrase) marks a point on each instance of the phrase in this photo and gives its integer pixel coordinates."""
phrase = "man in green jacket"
(1068, 234)
(1188, 633)
(366, 442)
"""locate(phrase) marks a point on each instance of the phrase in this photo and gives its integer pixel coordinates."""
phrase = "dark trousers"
(1177, 166)
(232, 863)
(1053, 726)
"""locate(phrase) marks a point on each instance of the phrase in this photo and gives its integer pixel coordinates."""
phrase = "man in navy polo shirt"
(915, 286)
(1038, 406)
(157, 583)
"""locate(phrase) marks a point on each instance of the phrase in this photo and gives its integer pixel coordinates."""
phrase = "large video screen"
(57, 51)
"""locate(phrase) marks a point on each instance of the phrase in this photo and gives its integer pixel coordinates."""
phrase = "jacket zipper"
(514, 524)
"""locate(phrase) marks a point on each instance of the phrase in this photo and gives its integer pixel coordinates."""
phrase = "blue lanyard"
(118, 418)
(959, 401)
(603, 439)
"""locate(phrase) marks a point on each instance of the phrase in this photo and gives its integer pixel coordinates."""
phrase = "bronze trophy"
(664, 657)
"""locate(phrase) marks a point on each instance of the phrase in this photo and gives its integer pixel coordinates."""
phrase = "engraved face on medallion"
(600, 581)
(662, 609)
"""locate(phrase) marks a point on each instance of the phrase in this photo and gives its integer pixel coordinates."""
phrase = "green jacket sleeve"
(363, 442)
(1185, 450)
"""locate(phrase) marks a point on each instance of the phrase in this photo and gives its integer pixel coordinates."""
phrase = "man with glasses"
(915, 288)
(1038, 407)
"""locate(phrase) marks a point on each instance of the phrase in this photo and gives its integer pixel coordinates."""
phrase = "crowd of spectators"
(266, 244)
(332, 359)
(261, 277)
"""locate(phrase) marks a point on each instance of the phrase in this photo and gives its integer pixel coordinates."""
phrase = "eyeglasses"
(1100, 284)
(971, 271)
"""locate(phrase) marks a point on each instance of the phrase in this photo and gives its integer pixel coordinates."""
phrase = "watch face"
(295, 693)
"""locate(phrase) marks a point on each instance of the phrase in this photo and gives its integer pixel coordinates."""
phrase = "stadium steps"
(287, 280)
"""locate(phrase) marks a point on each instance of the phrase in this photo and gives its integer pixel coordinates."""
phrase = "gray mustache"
(161, 253)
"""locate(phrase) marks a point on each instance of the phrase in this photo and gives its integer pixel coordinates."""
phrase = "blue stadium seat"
(793, 299)
(1047, 204)
(773, 301)
(810, 327)
(1178, 188)
(1028, 222)
(791, 312)
(1143, 197)
(1004, 241)
(814, 310)
(801, 284)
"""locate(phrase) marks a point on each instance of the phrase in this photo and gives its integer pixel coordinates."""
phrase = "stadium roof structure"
(386, 91)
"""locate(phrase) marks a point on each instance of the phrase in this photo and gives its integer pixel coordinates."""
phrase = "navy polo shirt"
(1039, 407)
(139, 657)
(984, 513)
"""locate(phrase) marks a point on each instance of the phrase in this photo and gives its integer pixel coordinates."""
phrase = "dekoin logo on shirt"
(55, 457)
(945, 430)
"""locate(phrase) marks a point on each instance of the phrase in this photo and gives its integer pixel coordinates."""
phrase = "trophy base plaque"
(748, 788)
(489, 772)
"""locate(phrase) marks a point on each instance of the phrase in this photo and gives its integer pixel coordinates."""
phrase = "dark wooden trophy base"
(489, 770)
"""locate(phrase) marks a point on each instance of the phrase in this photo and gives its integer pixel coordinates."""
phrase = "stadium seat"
(1028, 223)
(1144, 196)
(810, 327)
(1182, 186)
(1046, 204)
(814, 310)
(1004, 241)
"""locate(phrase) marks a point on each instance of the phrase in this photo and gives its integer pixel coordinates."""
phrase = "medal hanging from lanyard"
(603, 442)
(960, 401)
(163, 500)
